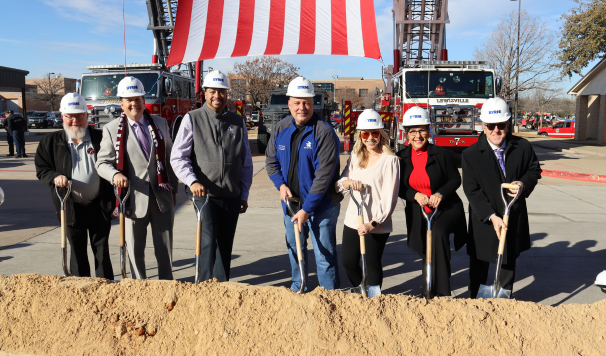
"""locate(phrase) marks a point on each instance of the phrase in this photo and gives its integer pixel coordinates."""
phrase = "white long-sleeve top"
(383, 181)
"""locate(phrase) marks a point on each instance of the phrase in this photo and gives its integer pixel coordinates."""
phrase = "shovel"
(198, 236)
(495, 290)
(121, 210)
(289, 205)
(429, 255)
(63, 228)
(364, 284)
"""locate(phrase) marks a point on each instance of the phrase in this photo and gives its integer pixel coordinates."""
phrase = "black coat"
(14, 122)
(482, 178)
(445, 179)
(53, 158)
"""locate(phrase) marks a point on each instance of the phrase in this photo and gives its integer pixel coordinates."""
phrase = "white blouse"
(383, 183)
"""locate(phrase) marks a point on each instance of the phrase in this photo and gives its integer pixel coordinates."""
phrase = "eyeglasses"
(417, 132)
(366, 134)
(501, 126)
(73, 117)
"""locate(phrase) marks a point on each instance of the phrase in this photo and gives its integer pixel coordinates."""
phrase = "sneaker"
(24, 156)
(10, 155)
(18, 157)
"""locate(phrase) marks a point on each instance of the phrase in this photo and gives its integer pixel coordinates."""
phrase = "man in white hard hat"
(302, 160)
(498, 157)
(211, 156)
(70, 155)
(135, 154)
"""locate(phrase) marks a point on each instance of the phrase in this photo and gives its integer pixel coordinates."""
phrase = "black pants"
(441, 229)
(478, 274)
(11, 143)
(219, 221)
(375, 244)
(89, 219)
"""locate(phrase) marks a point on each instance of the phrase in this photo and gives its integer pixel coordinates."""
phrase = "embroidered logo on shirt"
(282, 147)
(91, 151)
(308, 145)
(231, 132)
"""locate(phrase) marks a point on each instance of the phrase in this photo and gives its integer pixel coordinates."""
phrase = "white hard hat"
(495, 110)
(369, 120)
(130, 87)
(72, 103)
(301, 87)
(216, 79)
(600, 281)
(416, 116)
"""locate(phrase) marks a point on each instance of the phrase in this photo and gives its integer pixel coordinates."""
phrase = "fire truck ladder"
(419, 31)
(162, 14)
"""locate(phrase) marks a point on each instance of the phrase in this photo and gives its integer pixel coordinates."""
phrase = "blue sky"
(64, 36)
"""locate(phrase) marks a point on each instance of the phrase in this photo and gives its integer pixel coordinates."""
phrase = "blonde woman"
(373, 163)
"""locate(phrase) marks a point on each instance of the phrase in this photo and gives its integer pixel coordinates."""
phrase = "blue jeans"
(19, 138)
(322, 227)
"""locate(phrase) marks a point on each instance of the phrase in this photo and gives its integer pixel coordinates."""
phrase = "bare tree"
(583, 36)
(258, 76)
(536, 53)
(50, 90)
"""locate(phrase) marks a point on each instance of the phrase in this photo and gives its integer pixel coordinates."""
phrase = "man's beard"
(77, 134)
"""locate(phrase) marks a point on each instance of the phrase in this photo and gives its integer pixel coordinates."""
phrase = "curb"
(596, 178)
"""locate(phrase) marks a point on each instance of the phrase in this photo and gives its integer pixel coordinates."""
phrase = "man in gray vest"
(211, 156)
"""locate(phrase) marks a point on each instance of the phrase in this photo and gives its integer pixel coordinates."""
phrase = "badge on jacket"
(91, 151)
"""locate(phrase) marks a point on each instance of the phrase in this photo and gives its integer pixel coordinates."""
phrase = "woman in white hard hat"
(373, 163)
(429, 179)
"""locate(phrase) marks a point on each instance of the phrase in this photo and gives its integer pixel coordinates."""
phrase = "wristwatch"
(374, 223)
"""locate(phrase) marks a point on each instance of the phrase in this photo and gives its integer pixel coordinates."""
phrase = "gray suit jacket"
(141, 173)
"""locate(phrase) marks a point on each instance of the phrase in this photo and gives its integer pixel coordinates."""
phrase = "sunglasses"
(501, 126)
(366, 134)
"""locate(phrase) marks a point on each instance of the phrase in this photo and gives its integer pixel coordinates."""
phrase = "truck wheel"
(262, 139)
(544, 134)
(529, 126)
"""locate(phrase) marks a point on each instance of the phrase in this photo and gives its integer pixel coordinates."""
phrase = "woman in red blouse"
(429, 178)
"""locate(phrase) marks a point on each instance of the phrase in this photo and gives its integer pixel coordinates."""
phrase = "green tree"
(583, 36)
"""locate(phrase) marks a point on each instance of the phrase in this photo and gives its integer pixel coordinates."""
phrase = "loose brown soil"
(50, 315)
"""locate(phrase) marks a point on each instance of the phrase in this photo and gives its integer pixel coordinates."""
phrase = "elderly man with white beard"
(70, 155)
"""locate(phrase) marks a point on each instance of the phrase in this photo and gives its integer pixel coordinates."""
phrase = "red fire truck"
(169, 95)
(453, 92)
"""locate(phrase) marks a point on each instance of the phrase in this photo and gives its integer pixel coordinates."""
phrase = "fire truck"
(168, 94)
(453, 93)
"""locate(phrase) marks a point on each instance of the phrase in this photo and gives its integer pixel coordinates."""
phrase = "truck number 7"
(457, 139)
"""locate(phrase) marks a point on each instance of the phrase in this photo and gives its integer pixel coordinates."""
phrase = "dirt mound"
(51, 315)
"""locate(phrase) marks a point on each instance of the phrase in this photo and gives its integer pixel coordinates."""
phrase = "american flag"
(207, 29)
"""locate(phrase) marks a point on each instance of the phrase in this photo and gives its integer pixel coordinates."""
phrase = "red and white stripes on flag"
(207, 29)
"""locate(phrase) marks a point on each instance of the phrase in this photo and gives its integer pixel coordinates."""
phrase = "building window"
(351, 92)
(324, 86)
(337, 90)
(363, 93)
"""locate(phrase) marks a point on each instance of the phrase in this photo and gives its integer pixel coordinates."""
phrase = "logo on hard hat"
(372, 120)
(303, 87)
(415, 116)
(76, 103)
(494, 112)
(132, 87)
(217, 79)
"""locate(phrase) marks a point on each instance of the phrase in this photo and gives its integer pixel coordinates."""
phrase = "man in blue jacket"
(302, 160)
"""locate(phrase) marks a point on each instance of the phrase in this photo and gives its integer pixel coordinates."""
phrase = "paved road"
(566, 217)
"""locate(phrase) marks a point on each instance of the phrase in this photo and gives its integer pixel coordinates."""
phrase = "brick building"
(33, 92)
(361, 92)
(12, 89)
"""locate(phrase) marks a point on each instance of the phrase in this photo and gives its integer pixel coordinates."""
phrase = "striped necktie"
(499, 152)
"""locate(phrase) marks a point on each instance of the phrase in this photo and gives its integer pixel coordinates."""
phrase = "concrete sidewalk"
(572, 147)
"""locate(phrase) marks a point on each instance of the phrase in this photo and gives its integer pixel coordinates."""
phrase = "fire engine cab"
(453, 93)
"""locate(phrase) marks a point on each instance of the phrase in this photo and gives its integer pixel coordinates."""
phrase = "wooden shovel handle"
(503, 235)
(122, 237)
(298, 243)
(362, 238)
(198, 238)
(63, 230)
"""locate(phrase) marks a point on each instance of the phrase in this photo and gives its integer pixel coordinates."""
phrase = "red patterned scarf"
(160, 154)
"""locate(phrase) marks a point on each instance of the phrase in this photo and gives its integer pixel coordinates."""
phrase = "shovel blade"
(485, 292)
(302, 275)
(489, 292)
